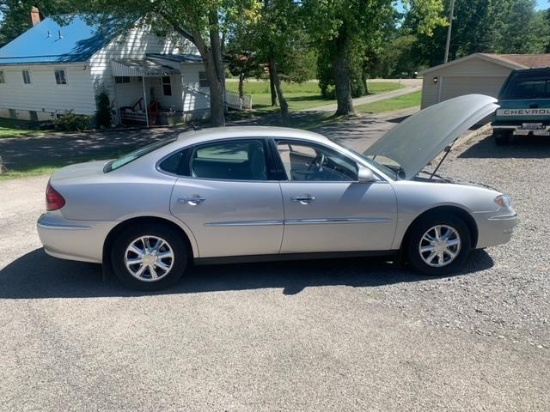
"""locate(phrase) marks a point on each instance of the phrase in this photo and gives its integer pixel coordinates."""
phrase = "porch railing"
(235, 102)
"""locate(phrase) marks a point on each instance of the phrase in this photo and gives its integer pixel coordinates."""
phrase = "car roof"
(221, 133)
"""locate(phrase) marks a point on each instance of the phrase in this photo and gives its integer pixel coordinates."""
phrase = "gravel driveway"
(338, 335)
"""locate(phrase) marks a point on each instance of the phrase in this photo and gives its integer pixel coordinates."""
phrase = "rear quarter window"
(136, 154)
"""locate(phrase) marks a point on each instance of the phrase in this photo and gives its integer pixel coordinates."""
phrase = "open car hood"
(416, 141)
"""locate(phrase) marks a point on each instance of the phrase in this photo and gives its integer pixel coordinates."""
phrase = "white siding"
(86, 80)
(458, 86)
(133, 45)
(194, 97)
(44, 95)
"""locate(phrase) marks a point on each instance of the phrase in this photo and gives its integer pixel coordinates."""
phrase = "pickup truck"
(524, 101)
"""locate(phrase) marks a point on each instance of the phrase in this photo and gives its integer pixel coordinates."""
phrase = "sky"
(542, 5)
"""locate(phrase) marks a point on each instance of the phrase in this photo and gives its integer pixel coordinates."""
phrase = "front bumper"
(73, 240)
(495, 229)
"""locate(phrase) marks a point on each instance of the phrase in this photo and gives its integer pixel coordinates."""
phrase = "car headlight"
(503, 201)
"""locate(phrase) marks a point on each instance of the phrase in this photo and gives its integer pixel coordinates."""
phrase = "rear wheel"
(438, 245)
(149, 257)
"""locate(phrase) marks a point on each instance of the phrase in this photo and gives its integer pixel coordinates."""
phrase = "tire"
(502, 137)
(149, 257)
(441, 257)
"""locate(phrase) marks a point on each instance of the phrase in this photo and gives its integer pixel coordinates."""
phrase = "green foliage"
(325, 74)
(350, 34)
(70, 122)
(396, 60)
(481, 26)
(103, 109)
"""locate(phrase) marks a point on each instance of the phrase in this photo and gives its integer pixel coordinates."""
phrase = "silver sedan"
(263, 193)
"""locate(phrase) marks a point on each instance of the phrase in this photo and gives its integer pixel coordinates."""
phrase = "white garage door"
(458, 86)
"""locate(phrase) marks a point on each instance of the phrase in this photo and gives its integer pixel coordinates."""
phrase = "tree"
(275, 39)
(395, 60)
(516, 27)
(344, 29)
(481, 26)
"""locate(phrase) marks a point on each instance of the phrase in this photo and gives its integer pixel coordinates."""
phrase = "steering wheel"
(317, 162)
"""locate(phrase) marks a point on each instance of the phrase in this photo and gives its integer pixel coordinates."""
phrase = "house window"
(203, 80)
(166, 86)
(13, 114)
(60, 77)
(122, 79)
(2, 78)
(27, 76)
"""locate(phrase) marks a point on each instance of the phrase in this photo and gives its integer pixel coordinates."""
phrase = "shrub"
(103, 112)
(70, 122)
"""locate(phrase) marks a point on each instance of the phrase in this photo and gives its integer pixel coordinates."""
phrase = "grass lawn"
(36, 171)
(396, 103)
(15, 128)
(48, 165)
(299, 96)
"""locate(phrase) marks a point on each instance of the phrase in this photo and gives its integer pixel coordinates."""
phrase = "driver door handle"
(304, 199)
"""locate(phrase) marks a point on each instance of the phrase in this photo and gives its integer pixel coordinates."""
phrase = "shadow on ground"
(22, 153)
(39, 276)
(528, 147)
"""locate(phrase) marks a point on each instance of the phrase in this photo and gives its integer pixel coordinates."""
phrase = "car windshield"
(136, 154)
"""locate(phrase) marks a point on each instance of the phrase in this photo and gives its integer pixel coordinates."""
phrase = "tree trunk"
(342, 77)
(273, 74)
(272, 88)
(217, 88)
(241, 85)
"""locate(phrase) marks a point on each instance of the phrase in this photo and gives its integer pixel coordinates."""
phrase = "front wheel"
(149, 257)
(438, 245)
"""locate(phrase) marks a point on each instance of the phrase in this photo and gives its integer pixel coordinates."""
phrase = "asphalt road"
(338, 335)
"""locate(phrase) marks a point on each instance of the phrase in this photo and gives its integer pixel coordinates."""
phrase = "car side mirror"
(365, 175)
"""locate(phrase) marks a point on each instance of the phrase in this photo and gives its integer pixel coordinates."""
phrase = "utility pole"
(451, 18)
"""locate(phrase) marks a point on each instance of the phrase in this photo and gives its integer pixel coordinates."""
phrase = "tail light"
(54, 200)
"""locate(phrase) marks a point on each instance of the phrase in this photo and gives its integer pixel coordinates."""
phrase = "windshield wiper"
(398, 170)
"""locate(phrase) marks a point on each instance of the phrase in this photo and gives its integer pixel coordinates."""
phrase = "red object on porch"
(153, 110)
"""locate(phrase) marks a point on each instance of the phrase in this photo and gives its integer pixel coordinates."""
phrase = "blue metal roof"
(50, 42)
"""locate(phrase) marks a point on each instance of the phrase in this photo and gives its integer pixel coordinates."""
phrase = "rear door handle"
(304, 199)
(192, 200)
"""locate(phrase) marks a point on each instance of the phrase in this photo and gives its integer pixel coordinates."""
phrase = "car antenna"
(194, 126)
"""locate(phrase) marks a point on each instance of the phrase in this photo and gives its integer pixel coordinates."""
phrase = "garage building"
(477, 73)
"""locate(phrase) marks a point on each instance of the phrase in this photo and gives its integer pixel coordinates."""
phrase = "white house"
(477, 73)
(53, 68)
